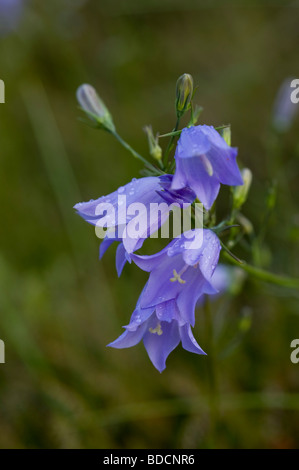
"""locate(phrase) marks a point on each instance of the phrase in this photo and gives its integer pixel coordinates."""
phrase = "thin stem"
(283, 281)
(174, 133)
(229, 253)
(134, 153)
(170, 134)
(170, 143)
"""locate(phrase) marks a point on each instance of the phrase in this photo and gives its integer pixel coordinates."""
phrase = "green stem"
(134, 153)
(170, 143)
(230, 254)
(174, 133)
(170, 134)
(263, 275)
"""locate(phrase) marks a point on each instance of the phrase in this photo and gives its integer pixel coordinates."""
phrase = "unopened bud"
(226, 134)
(245, 224)
(240, 193)
(184, 91)
(154, 147)
(94, 107)
(195, 115)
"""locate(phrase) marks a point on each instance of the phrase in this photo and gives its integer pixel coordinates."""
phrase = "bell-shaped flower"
(203, 161)
(179, 275)
(133, 213)
(182, 271)
(161, 330)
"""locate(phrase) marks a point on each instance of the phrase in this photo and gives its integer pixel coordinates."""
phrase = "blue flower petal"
(188, 341)
(129, 338)
(192, 142)
(120, 258)
(204, 249)
(150, 262)
(160, 287)
(191, 172)
(105, 245)
(168, 311)
(203, 161)
(140, 315)
(160, 346)
(223, 158)
(186, 301)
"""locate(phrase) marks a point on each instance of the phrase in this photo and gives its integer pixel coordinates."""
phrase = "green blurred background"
(59, 305)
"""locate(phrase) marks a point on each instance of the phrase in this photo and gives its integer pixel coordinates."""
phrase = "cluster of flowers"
(182, 273)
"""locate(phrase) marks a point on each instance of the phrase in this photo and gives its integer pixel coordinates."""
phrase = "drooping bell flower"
(160, 331)
(181, 271)
(204, 161)
(115, 216)
(179, 275)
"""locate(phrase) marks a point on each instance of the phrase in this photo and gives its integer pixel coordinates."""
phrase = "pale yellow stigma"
(158, 330)
(177, 277)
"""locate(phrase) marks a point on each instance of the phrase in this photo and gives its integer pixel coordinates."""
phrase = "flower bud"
(94, 107)
(184, 91)
(240, 193)
(226, 134)
(154, 148)
(245, 223)
(196, 112)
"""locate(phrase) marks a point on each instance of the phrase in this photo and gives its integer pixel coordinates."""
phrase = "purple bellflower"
(179, 275)
(116, 213)
(203, 161)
